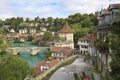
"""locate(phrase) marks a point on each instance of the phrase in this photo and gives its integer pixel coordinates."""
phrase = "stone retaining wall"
(40, 77)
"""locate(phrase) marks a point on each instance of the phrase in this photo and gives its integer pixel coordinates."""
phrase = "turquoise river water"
(32, 60)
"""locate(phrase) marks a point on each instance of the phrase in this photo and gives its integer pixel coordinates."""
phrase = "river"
(32, 60)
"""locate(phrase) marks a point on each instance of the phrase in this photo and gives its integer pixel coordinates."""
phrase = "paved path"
(66, 72)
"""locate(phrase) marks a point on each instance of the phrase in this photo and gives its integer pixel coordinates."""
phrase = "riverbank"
(26, 44)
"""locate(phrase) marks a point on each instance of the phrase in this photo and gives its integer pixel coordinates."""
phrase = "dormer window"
(44, 67)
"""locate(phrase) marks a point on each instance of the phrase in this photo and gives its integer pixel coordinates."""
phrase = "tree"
(30, 38)
(79, 31)
(86, 22)
(3, 44)
(17, 40)
(14, 22)
(47, 36)
(1, 23)
(14, 68)
(88, 57)
(37, 19)
(114, 39)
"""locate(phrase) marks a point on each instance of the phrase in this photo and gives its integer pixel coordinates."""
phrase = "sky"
(50, 8)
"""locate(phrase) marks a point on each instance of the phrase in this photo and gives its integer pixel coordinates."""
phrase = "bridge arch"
(32, 51)
(41, 52)
(24, 52)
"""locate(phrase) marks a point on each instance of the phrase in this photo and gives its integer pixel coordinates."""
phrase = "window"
(86, 46)
(44, 67)
(82, 46)
(81, 41)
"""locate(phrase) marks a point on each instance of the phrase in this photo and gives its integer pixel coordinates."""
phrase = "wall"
(64, 44)
(53, 68)
(68, 36)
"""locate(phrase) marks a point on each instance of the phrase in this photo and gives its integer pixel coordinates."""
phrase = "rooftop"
(106, 11)
(118, 4)
(66, 29)
(91, 38)
(67, 50)
(38, 70)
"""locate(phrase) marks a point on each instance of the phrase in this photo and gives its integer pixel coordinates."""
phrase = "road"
(66, 72)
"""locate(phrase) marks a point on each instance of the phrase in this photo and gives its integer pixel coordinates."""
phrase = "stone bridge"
(31, 50)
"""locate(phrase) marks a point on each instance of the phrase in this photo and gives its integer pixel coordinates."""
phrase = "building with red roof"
(66, 29)
(44, 65)
(60, 53)
(66, 37)
(87, 44)
(105, 25)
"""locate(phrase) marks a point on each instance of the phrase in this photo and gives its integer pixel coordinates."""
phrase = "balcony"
(107, 24)
(115, 17)
(103, 25)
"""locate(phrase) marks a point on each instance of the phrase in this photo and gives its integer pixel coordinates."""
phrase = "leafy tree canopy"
(47, 36)
(14, 68)
(114, 39)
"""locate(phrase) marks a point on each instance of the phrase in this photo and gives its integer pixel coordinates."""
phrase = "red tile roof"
(66, 29)
(115, 4)
(91, 38)
(106, 11)
(67, 50)
(56, 49)
(38, 38)
(38, 70)
(99, 17)
(12, 34)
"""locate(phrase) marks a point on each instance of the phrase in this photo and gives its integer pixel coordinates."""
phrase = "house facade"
(66, 37)
(104, 28)
(42, 30)
(87, 44)
(44, 65)
(32, 31)
(12, 35)
(60, 53)
(23, 31)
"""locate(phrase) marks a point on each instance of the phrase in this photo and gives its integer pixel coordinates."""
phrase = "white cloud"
(84, 6)
(54, 8)
(7, 15)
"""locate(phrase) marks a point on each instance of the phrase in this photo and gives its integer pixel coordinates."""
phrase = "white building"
(12, 31)
(86, 44)
(42, 30)
(23, 31)
(33, 31)
(66, 37)
(60, 53)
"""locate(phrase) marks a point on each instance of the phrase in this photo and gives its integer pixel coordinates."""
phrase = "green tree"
(76, 76)
(14, 68)
(3, 44)
(14, 22)
(86, 22)
(30, 38)
(37, 19)
(88, 57)
(114, 39)
(47, 36)
(79, 31)
(48, 55)
(17, 40)
(1, 23)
